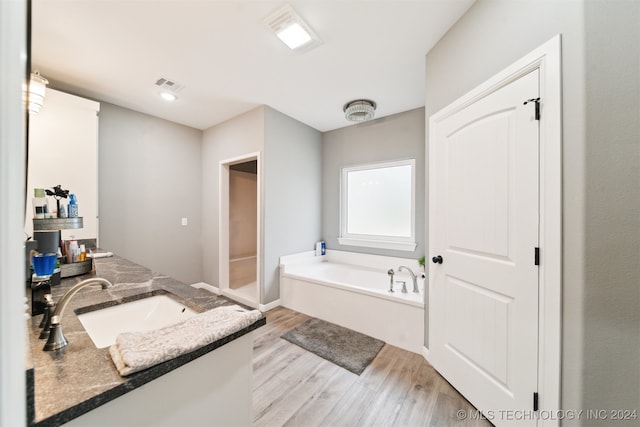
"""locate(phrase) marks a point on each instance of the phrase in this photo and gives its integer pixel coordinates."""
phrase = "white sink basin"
(147, 314)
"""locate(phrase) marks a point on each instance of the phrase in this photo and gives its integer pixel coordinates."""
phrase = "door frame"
(223, 231)
(546, 58)
(14, 23)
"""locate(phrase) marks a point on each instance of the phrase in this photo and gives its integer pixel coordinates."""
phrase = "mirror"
(63, 150)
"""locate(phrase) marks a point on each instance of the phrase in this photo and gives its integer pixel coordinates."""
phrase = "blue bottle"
(72, 208)
(323, 248)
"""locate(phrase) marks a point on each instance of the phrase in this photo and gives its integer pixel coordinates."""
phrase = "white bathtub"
(352, 290)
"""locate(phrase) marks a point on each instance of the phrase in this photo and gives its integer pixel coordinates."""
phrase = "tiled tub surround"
(352, 290)
(80, 377)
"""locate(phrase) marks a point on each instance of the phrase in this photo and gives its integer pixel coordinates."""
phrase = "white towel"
(135, 351)
(96, 255)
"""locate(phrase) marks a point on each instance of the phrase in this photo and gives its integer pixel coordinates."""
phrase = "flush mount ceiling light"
(36, 91)
(291, 29)
(359, 110)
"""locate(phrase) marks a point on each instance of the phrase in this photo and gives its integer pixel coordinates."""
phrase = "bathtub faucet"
(413, 277)
(391, 273)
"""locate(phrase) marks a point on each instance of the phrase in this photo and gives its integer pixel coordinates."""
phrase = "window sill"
(378, 244)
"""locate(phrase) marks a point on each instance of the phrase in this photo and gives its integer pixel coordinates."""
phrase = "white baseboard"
(206, 287)
(269, 306)
(425, 354)
(231, 294)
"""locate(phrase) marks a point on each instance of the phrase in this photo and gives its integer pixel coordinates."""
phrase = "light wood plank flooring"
(293, 387)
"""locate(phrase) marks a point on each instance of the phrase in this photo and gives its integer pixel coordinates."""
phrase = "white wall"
(601, 225)
(241, 135)
(149, 179)
(63, 149)
(292, 194)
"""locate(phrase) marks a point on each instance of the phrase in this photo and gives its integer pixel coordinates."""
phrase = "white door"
(483, 309)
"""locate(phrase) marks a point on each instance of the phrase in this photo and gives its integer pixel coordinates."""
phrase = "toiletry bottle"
(323, 248)
(72, 250)
(83, 253)
(40, 204)
(73, 206)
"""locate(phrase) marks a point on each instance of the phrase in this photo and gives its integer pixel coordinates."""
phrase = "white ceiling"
(229, 61)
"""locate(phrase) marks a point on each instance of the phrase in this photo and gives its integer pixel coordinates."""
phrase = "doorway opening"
(240, 230)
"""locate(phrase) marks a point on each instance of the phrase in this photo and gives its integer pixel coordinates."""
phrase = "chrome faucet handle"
(49, 304)
(404, 285)
(45, 324)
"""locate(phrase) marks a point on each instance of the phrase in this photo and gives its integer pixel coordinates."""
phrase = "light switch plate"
(185, 221)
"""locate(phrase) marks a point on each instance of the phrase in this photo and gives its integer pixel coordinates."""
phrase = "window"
(378, 205)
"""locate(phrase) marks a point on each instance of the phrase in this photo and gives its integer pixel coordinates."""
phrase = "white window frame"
(375, 241)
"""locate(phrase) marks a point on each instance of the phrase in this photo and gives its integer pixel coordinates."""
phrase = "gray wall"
(601, 225)
(612, 209)
(236, 137)
(292, 193)
(400, 136)
(149, 177)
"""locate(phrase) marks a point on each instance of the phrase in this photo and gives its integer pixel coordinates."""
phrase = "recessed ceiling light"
(168, 96)
(294, 36)
(291, 29)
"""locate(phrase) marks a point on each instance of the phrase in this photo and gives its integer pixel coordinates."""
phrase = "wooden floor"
(293, 387)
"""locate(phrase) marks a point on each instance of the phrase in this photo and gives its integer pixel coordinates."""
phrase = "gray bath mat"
(344, 347)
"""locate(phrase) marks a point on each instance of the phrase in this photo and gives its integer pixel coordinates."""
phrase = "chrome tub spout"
(414, 278)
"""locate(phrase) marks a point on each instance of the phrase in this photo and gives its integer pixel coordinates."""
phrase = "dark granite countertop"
(80, 377)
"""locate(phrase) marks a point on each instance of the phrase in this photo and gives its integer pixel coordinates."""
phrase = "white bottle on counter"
(72, 250)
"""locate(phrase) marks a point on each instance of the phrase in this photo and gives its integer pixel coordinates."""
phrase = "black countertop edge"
(140, 378)
(31, 404)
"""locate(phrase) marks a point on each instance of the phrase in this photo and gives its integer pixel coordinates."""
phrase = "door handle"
(437, 259)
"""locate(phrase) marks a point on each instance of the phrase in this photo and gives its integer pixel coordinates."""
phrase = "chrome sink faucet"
(390, 272)
(413, 277)
(56, 338)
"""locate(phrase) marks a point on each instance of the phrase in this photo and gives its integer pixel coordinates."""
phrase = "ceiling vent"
(169, 85)
(291, 29)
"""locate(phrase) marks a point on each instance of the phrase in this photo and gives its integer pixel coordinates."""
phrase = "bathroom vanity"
(80, 385)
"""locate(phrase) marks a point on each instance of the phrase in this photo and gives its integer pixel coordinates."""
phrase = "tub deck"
(356, 296)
